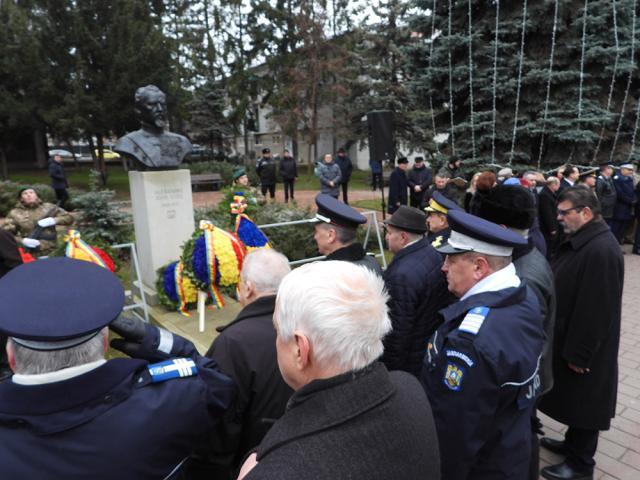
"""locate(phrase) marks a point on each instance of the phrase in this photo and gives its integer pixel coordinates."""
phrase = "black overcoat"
(589, 272)
(245, 350)
(366, 425)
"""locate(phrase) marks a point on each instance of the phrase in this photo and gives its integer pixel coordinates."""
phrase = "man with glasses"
(589, 272)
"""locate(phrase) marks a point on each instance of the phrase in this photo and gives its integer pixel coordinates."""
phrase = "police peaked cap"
(474, 234)
(509, 205)
(331, 210)
(441, 204)
(58, 302)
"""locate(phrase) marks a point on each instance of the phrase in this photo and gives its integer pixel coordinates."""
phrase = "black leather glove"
(141, 340)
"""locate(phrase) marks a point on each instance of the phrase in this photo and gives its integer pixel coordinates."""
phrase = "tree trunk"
(40, 144)
(73, 152)
(4, 171)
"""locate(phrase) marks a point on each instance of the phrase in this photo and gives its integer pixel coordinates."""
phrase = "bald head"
(264, 269)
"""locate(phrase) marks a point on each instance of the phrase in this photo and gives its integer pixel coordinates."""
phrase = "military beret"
(58, 303)
(239, 172)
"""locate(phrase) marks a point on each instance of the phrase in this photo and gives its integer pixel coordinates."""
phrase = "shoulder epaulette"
(174, 368)
(474, 319)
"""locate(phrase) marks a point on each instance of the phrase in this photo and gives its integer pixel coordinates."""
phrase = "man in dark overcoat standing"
(398, 186)
(245, 350)
(589, 273)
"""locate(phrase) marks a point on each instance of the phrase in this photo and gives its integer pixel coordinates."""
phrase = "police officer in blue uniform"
(336, 232)
(481, 368)
(437, 220)
(69, 413)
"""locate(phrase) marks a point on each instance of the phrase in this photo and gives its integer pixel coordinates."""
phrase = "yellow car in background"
(109, 155)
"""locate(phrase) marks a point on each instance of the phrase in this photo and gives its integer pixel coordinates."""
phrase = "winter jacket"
(329, 172)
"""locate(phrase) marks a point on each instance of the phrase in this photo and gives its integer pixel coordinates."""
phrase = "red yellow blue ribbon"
(209, 242)
(178, 278)
(80, 250)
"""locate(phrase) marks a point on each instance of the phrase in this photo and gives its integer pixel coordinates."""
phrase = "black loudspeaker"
(381, 136)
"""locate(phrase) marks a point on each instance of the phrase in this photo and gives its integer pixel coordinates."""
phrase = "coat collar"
(350, 253)
(323, 404)
(259, 308)
(499, 298)
(414, 247)
(587, 233)
(59, 396)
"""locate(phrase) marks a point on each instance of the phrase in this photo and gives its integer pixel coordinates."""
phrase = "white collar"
(570, 182)
(57, 376)
(411, 243)
(503, 278)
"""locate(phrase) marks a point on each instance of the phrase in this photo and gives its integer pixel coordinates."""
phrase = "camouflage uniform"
(23, 219)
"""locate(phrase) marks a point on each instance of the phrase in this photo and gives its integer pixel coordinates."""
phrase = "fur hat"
(510, 205)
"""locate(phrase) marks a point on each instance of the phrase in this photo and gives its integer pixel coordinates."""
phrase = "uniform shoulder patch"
(473, 320)
(174, 368)
(453, 376)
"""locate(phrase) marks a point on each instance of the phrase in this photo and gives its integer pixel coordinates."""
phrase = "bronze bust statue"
(151, 147)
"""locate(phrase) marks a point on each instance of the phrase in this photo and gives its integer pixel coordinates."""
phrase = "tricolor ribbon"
(239, 204)
(177, 277)
(208, 229)
(79, 249)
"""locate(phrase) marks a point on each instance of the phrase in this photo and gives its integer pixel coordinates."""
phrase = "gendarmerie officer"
(481, 368)
(69, 413)
(437, 221)
(335, 233)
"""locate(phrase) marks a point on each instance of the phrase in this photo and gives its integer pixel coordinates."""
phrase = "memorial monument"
(160, 193)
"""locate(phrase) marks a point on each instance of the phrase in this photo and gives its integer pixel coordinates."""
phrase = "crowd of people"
(434, 368)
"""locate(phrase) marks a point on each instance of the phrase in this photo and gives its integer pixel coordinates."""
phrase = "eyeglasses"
(562, 213)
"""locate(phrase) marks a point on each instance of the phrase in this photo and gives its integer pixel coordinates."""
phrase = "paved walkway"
(618, 455)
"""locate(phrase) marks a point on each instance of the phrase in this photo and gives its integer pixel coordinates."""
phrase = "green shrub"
(295, 241)
(100, 222)
(9, 194)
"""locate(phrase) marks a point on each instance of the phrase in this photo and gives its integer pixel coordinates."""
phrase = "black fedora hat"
(409, 219)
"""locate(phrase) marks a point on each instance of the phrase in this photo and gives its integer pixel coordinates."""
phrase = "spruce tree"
(495, 108)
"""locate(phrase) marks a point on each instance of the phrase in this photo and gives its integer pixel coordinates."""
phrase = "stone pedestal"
(162, 217)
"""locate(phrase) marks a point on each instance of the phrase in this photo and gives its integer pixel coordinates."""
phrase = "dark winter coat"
(288, 168)
(564, 183)
(266, 169)
(346, 167)
(329, 172)
(589, 273)
(421, 177)
(115, 421)
(606, 192)
(480, 374)
(532, 267)
(355, 253)
(58, 178)
(397, 189)
(365, 425)
(547, 203)
(626, 197)
(245, 350)
(9, 254)
(418, 290)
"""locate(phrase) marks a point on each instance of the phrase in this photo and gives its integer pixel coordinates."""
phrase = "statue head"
(151, 107)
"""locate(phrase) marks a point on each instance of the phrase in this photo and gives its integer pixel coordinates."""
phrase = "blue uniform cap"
(58, 303)
(441, 204)
(331, 210)
(474, 234)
